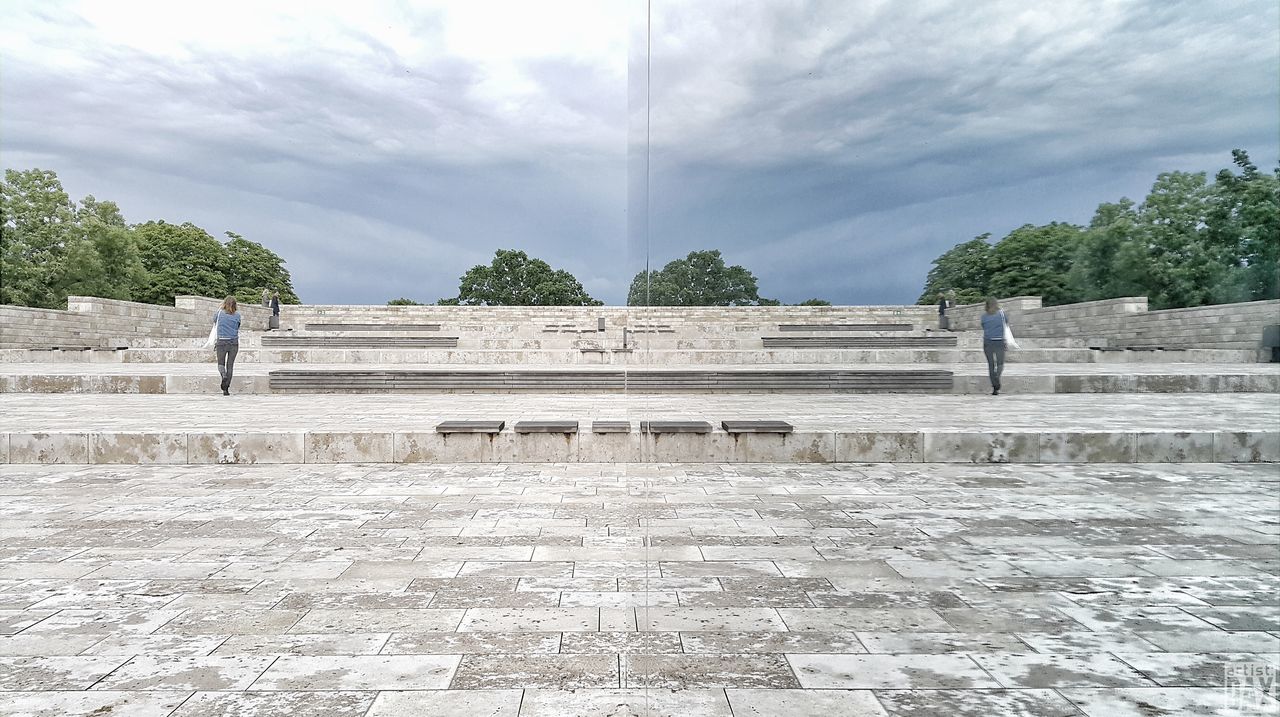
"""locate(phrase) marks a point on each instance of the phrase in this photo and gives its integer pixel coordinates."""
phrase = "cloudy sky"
(832, 147)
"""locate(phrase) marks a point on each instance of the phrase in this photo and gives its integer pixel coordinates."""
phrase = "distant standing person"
(944, 324)
(266, 298)
(993, 344)
(275, 310)
(228, 343)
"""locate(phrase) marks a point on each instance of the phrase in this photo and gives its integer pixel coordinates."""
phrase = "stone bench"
(487, 427)
(546, 427)
(612, 381)
(858, 342)
(359, 342)
(844, 327)
(675, 427)
(734, 427)
(373, 327)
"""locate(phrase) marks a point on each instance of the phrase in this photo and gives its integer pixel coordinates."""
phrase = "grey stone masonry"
(1127, 322)
(96, 322)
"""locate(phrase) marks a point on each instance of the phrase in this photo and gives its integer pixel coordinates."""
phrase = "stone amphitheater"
(529, 511)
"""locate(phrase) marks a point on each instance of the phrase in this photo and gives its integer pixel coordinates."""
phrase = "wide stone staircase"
(350, 384)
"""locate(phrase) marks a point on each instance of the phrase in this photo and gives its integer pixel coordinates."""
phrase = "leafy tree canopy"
(52, 247)
(699, 279)
(1190, 242)
(252, 267)
(515, 279)
(402, 301)
(180, 259)
(963, 272)
(814, 302)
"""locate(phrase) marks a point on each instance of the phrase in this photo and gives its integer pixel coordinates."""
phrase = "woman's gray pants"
(995, 360)
(227, 351)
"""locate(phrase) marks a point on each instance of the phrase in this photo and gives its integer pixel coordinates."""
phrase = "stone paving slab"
(328, 428)
(374, 589)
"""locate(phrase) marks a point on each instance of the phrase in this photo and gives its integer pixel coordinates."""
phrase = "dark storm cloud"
(834, 148)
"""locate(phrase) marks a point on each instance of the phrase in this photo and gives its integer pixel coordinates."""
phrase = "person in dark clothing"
(944, 324)
(275, 303)
(228, 343)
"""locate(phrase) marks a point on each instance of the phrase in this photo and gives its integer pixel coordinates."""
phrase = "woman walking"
(228, 343)
(993, 343)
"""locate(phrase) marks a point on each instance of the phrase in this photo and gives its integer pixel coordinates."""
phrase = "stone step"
(356, 342)
(611, 381)
(859, 342)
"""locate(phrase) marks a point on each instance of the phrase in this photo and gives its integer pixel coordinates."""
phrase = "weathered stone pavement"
(520, 590)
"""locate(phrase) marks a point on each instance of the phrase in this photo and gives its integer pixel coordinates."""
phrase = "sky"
(832, 147)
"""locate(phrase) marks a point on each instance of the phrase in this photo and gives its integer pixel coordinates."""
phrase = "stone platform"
(594, 591)
(970, 378)
(352, 428)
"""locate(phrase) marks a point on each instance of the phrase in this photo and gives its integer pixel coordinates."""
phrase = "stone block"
(489, 427)
(536, 448)
(48, 448)
(348, 447)
(432, 447)
(245, 448)
(1246, 447)
(1173, 447)
(1079, 447)
(546, 427)
(4, 447)
(805, 447)
(609, 447)
(685, 447)
(138, 448)
(975, 447)
(1102, 383)
(879, 447)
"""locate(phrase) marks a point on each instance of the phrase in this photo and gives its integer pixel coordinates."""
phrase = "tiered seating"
(638, 380)
(373, 327)
(844, 327)
(858, 342)
(359, 342)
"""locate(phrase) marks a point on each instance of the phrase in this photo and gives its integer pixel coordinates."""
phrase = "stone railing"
(1127, 322)
(96, 322)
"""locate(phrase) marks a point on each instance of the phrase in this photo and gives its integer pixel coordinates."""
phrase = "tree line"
(52, 247)
(514, 278)
(1190, 242)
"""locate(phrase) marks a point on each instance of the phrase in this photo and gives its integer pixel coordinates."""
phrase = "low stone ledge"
(159, 447)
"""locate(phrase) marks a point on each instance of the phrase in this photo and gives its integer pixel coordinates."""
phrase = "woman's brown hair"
(992, 305)
(229, 305)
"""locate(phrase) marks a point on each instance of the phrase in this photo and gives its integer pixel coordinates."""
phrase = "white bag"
(213, 336)
(1009, 341)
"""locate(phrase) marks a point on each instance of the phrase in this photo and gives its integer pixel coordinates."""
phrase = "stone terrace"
(703, 591)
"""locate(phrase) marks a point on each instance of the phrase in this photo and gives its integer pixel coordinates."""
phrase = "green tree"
(699, 279)
(252, 267)
(963, 269)
(105, 263)
(1111, 259)
(402, 301)
(1035, 261)
(1242, 227)
(37, 224)
(180, 259)
(514, 279)
(814, 302)
(1182, 268)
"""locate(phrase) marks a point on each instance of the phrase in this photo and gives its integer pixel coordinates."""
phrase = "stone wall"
(95, 322)
(1127, 322)
(534, 321)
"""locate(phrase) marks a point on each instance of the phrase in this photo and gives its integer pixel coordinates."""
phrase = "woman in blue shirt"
(228, 343)
(993, 323)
